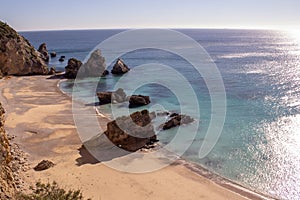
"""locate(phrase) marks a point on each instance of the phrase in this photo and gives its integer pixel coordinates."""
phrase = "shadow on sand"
(99, 149)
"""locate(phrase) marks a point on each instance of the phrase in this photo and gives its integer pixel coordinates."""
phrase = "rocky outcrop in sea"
(118, 96)
(120, 68)
(176, 119)
(138, 100)
(131, 132)
(72, 68)
(95, 66)
(44, 52)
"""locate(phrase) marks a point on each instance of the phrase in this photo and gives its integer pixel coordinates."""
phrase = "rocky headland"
(17, 56)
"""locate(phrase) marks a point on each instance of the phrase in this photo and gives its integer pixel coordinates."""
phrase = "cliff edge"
(17, 55)
(7, 186)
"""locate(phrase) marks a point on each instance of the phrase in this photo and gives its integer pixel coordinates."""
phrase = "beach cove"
(40, 116)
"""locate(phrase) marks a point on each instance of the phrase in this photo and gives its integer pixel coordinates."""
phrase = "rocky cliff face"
(17, 55)
(7, 187)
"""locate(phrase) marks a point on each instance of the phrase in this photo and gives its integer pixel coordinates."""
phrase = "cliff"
(17, 55)
(7, 187)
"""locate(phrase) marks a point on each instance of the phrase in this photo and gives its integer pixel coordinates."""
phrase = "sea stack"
(95, 66)
(72, 68)
(120, 68)
(43, 50)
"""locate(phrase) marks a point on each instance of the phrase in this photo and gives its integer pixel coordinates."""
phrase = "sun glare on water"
(295, 34)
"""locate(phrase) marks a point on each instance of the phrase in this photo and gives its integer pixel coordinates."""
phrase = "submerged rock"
(43, 50)
(53, 54)
(132, 132)
(72, 68)
(18, 56)
(138, 100)
(176, 120)
(44, 165)
(105, 73)
(120, 68)
(119, 96)
(61, 59)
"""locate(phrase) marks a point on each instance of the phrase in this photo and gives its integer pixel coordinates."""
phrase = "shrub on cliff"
(51, 192)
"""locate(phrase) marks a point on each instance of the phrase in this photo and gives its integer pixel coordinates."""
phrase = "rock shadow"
(97, 150)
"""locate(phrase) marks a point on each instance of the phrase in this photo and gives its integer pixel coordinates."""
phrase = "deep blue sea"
(260, 143)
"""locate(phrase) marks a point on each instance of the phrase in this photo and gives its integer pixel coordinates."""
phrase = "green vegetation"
(51, 192)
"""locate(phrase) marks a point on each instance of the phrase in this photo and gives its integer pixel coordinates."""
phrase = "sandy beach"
(40, 116)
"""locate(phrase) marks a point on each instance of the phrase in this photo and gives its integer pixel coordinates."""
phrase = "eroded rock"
(176, 120)
(18, 56)
(44, 165)
(72, 68)
(138, 100)
(44, 52)
(120, 68)
(95, 66)
(132, 132)
(118, 96)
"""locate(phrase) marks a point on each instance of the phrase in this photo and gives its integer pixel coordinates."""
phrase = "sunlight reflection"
(295, 34)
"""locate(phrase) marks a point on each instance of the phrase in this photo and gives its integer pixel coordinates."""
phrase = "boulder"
(131, 132)
(105, 73)
(61, 59)
(164, 113)
(53, 54)
(138, 100)
(44, 165)
(120, 68)
(17, 55)
(52, 71)
(44, 52)
(95, 66)
(118, 96)
(72, 68)
(176, 120)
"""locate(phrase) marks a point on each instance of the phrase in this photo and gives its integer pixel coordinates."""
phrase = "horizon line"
(173, 28)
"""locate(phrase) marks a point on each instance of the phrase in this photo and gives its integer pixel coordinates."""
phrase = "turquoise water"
(260, 143)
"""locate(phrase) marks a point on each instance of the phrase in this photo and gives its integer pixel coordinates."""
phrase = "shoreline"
(197, 168)
(64, 153)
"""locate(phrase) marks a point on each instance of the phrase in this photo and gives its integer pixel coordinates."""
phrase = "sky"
(26, 15)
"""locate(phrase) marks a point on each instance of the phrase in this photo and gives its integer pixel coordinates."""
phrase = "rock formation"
(53, 54)
(17, 55)
(119, 96)
(95, 66)
(176, 120)
(105, 73)
(44, 52)
(72, 68)
(120, 68)
(132, 132)
(62, 59)
(138, 100)
(44, 165)
(7, 186)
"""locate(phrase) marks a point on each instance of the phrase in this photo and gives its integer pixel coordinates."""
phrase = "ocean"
(260, 141)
